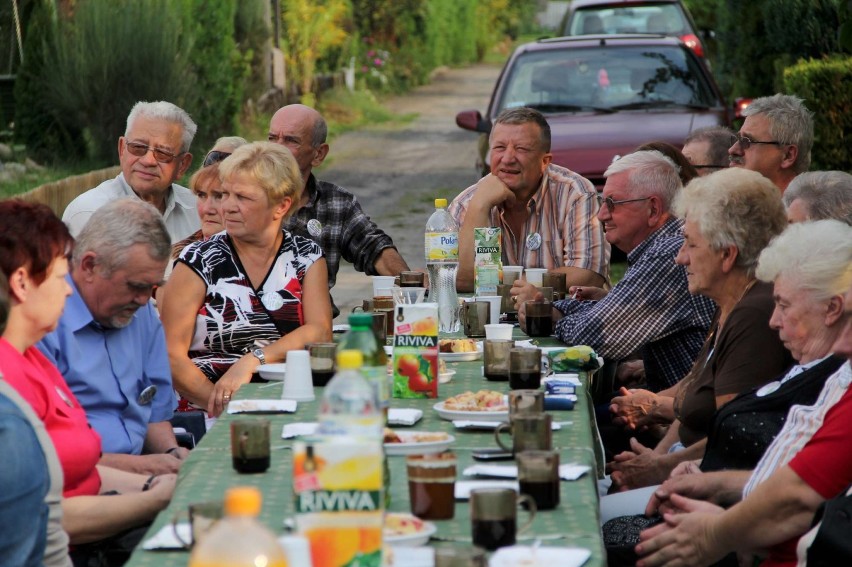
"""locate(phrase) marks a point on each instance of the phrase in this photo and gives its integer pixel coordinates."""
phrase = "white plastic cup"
(296, 548)
(534, 276)
(502, 331)
(512, 273)
(381, 285)
(298, 384)
(494, 301)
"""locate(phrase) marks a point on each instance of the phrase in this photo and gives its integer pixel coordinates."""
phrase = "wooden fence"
(57, 194)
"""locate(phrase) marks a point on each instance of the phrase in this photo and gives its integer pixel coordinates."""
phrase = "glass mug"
(494, 516)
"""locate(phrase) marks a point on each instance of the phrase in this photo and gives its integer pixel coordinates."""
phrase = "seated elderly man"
(154, 154)
(707, 148)
(775, 139)
(547, 213)
(650, 311)
(816, 195)
(109, 344)
(809, 461)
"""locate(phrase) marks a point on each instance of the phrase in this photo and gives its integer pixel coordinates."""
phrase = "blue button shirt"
(107, 369)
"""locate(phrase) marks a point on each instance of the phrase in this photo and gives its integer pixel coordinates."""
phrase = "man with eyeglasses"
(650, 311)
(109, 344)
(328, 214)
(775, 140)
(707, 148)
(153, 153)
(547, 213)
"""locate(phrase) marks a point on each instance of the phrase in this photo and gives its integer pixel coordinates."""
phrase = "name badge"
(534, 241)
(272, 300)
(314, 228)
(146, 395)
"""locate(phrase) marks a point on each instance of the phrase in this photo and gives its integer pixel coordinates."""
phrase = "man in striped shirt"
(548, 214)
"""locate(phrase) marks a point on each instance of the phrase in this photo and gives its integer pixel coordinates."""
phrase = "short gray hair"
(320, 133)
(816, 255)
(734, 207)
(526, 115)
(649, 173)
(825, 194)
(117, 226)
(719, 138)
(162, 110)
(790, 122)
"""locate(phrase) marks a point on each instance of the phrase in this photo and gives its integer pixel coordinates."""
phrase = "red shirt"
(825, 464)
(77, 444)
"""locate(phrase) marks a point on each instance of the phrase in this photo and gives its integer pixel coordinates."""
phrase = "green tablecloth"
(208, 471)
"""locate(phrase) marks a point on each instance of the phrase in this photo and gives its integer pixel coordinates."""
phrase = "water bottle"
(375, 362)
(442, 261)
(349, 404)
(239, 539)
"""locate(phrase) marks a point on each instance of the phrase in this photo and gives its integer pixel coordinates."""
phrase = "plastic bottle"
(239, 539)
(375, 366)
(349, 405)
(442, 262)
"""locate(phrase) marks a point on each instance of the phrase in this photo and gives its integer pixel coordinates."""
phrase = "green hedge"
(824, 84)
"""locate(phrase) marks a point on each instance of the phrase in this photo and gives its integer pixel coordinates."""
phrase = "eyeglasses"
(214, 156)
(139, 149)
(710, 166)
(610, 203)
(745, 142)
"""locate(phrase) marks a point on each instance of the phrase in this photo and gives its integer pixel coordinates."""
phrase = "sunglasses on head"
(139, 149)
(214, 156)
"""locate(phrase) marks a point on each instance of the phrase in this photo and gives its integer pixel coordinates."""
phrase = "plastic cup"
(495, 331)
(534, 276)
(511, 273)
(298, 382)
(382, 283)
(495, 301)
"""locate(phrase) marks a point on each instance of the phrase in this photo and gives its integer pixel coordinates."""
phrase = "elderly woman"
(248, 295)
(729, 217)
(34, 245)
(816, 195)
(808, 461)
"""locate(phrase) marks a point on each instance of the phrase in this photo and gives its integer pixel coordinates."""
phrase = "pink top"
(77, 444)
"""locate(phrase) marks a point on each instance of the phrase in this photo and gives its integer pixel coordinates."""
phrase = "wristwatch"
(258, 353)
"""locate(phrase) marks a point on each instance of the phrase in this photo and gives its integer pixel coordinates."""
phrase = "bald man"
(328, 214)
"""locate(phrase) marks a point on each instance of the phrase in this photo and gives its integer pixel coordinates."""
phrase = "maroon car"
(604, 95)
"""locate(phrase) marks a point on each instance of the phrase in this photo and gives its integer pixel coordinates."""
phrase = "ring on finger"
(226, 397)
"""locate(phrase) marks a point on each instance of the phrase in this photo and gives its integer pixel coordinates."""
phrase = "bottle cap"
(440, 203)
(361, 320)
(243, 501)
(350, 359)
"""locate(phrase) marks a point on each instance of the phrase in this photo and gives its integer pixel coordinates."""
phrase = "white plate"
(410, 447)
(462, 356)
(450, 415)
(445, 377)
(518, 556)
(415, 539)
(272, 371)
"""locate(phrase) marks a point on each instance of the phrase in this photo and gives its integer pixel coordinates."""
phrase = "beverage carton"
(487, 260)
(337, 484)
(415, 351)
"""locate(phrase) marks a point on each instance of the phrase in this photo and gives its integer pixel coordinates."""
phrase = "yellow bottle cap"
(440, 203)
(350, 359)
(243, 501)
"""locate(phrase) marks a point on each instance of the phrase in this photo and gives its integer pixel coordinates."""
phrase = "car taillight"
(692, 42)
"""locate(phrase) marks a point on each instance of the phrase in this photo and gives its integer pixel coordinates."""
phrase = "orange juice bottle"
(239, 539)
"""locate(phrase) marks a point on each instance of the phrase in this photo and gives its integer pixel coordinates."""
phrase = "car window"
(666, 19)
(604, 78)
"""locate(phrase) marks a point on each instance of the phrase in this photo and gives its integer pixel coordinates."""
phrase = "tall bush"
(824, 85)
(252, 31)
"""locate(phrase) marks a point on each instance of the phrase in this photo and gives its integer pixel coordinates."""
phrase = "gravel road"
(398, 170)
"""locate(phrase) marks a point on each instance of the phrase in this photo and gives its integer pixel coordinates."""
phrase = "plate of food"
(484, 405)
(272, 371)
(406, 530)
(459, 350)
(444, 374)
(416, 442)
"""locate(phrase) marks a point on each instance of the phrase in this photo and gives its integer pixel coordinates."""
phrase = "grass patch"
(33, 179)
(616, 271)
(346, 110)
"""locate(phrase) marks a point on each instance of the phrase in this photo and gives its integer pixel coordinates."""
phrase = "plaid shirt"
(347, 231)
(650, 310)
(564, 211)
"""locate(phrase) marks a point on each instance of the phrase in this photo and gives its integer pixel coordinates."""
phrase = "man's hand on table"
(586, 293)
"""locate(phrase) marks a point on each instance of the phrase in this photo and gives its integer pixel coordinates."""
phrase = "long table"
(207, 473)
